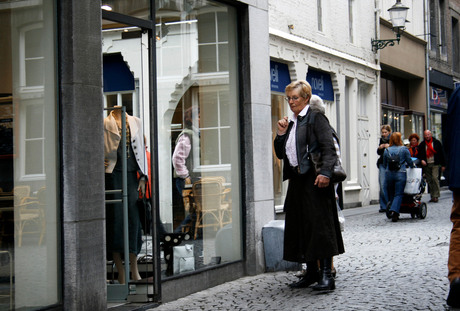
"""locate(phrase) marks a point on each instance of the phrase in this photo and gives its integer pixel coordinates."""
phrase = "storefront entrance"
(177, 80)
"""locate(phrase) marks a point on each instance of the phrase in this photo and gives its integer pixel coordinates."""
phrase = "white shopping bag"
(414, 178)
(184, 259)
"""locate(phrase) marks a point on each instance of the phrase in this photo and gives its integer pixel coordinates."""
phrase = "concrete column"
(82, 155)
(257, 136)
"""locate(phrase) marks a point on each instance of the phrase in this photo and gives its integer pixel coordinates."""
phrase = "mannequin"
(136, 163)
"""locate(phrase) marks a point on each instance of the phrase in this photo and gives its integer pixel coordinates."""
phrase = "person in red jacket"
(431, 155)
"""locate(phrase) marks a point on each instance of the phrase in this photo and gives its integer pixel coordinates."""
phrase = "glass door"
(129, 213)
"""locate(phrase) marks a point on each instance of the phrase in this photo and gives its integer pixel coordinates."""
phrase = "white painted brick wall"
(303, 15)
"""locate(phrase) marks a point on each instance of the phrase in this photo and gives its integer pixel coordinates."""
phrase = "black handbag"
(338, 173)
(145, 214)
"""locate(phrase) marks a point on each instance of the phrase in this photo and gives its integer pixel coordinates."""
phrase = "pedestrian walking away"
(312, 229)
(432, 157)
(395, 159)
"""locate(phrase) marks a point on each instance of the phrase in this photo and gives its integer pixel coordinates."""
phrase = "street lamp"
(398, 13)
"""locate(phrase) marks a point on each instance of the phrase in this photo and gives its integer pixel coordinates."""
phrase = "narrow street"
(387, 266)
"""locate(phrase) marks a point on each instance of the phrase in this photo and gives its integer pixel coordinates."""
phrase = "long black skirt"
(312, 229)
(114, 215)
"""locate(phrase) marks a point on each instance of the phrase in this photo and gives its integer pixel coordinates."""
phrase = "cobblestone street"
(386, 266)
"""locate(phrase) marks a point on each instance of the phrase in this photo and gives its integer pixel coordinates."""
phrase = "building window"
(442, 28)
(350, 20)
(212, 41)
(433, 26)
(455, 46)
(393, 118)
(438, 27)
(319, 7)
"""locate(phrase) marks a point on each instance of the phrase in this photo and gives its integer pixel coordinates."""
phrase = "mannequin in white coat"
(136, 162)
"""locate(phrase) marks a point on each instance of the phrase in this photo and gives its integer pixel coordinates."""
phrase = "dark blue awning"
(321, 84)
(117, 76)
(279, 76)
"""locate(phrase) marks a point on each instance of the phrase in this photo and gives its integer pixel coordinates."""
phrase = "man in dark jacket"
(431, 155)
(453, 138)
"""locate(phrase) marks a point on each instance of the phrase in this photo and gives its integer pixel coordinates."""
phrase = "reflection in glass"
(29, 241)
(198, 131)
(138, 8)
(278, 111)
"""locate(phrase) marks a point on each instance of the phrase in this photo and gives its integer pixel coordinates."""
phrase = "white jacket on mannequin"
(112, 139)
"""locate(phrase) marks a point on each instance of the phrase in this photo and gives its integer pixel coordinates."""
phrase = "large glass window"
(199, 153)
(279, 110)
(393, 118)
(436, 124)
(29, 260)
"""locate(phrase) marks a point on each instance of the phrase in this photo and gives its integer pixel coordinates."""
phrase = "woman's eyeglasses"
(294, 98)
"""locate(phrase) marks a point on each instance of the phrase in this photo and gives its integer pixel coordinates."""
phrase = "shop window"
(393, 118)
(29, 257)
(279, 110)
(198, 108)
(413, 123)
(436, 124)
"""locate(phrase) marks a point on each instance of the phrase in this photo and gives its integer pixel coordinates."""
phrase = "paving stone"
(386, 266)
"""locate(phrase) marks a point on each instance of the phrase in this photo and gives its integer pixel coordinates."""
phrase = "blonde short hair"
(303, 86)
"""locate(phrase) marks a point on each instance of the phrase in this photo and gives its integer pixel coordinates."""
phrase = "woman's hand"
(141, 186)
(282, 126)
(322, 181)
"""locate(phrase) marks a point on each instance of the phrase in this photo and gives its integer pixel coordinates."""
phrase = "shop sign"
(279, 76)
(321, 84)
(438, 97)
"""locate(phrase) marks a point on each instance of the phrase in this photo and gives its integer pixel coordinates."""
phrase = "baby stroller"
(412, 199)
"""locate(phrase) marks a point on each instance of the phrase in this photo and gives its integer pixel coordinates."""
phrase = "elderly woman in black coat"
(312, 230)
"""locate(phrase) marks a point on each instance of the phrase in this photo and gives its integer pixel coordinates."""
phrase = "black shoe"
(382, 210)
(326, 281)
(453, 299)
(305, 281)
(394, 217)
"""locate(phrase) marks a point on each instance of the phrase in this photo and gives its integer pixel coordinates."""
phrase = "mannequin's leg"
(133, 265)
(120, 268)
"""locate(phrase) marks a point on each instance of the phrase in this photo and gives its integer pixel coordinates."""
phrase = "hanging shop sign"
(279, 76)
(438, 97)
(321, 84)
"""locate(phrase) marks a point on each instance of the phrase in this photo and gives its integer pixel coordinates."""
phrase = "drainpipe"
(377, 62)
(427, 63)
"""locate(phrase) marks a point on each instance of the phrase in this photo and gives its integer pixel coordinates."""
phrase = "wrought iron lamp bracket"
(380, 44)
